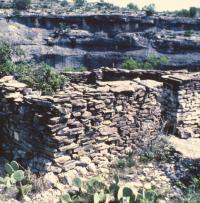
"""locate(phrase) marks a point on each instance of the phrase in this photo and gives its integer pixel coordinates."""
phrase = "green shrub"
(147, 66)
(146, 157)
(120, 163)
(150, 9)
(21, 4)
(7, 68)
(156, 61)
(159, 150)
(196, 183)
(69, 69)
(188, 33)
(151, 62)
(42, 77)
(83, 69)
(163, 60)
(6, 52)
(130, 64)
(22, 72)
(126, 162)
(47, 80)
(132, 7)
(61, 27)
(191, 192)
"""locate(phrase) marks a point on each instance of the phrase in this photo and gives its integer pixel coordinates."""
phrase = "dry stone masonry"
(181, 94)
(100, 116)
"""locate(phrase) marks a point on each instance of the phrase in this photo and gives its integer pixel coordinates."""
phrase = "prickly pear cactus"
(18, 175)
(14, 165)
(9, 169)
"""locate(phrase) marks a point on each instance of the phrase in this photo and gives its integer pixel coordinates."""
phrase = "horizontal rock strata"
(95, 40)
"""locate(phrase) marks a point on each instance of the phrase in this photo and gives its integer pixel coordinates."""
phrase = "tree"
(193, 12)
(150, 9)
(64, 3)
(21, 4)
(183, 13)
(80, 2)
(132, 6)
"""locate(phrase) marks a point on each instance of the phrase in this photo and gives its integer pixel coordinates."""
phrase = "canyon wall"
(99, 117)
(100, 40)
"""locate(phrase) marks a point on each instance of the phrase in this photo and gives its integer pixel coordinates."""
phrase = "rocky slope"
(95, 40)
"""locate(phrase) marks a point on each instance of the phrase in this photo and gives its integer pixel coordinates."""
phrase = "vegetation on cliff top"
(132, 6)
(21, 4)
(80, 2)
(191, 12)
(149, 9)
(80, 6)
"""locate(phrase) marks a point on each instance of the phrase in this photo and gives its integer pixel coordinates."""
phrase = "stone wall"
(181, 104)
(95, 120)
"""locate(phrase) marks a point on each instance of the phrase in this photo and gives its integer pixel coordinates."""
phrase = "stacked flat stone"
(181, 104)
(92, 122)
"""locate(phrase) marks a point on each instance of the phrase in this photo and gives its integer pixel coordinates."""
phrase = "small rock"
(104, 170)
(138, 184)
(63, 159)
(91, 167)
(70, 175)
(86, 114)
(147, 186)
(51, 178)
(85, 160)
(82, 170)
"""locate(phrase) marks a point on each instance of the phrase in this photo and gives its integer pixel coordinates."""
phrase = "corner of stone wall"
(181, 104)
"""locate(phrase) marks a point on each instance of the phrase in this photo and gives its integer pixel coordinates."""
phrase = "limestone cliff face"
(103, 40)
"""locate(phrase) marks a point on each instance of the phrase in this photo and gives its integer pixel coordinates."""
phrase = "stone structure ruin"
(100, 116)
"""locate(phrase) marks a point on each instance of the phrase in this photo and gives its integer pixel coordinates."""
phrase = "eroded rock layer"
(100, 40)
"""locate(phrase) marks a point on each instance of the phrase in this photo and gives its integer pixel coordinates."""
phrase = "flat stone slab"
(15, 84)
(150, 83)
(189, 148)
(120, 86)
